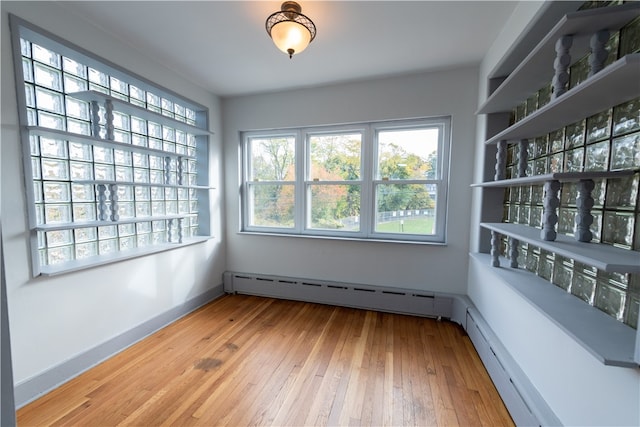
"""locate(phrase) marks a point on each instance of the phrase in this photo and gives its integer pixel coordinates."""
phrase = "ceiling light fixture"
(290, 30)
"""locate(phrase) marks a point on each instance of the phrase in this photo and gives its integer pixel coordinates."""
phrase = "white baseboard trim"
(50, 379)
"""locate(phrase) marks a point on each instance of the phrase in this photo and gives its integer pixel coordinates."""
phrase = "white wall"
(55, 319)
(577, 387)
(435, 268)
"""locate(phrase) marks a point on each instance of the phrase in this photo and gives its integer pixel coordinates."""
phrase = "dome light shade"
(290, 30)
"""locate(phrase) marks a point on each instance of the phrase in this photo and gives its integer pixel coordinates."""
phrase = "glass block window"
(113, 162)
(606, 141)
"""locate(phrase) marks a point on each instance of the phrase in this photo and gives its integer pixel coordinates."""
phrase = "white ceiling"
(223, 46)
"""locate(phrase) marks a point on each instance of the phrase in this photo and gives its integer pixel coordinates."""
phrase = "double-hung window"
(115, 166)
(379, 181)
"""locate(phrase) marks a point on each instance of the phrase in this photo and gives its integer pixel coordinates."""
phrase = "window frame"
(368, 181)
(21, 29)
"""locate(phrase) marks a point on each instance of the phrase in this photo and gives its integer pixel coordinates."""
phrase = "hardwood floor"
(245, 360)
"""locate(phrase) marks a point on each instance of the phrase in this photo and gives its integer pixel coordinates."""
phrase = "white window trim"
(368, 181)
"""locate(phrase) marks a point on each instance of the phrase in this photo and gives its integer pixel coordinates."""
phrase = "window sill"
(77, 265)
(343, 238)
(609, 341)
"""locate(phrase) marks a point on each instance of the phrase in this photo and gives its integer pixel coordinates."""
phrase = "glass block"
(138, 140)
(562, 272)
(78, 126)
(103, 155)
(120, 121)
(183, 207)
(47, 76)
(618, 228)
(51, 121)
(73, 67)
(140, 160)
(86, 250)
(56, 192)
(141, 175)
(183, 194)
(32, 117)
(540, 166)
(42, 243)
(126, 230)
(87, 234)
(597, 156)
(77, 108)
(156, 162)
(532, 103)
(192, 166)
(540, 146)
(169, 147)
(36, 170)
(171, 207)
(622, 193)
(58, 238)
(84, 212)
(191, 116)
(138, 125)
(126, 210)
(521, 111)
(79, 151)
(596, 226)
(98, 88)
(136, 93)
(167, 107)
(157, 193)
(598, 192)
(599, 126)
(59, 255)
(37, 192)
(143, 240)
(584, 284)
(119, 86)
(108, 246)
(170, 193)
(523, 249)
(25, 47)
(39, 208)
(143, 227)
(107, 232)
(610, 299)
(574, 135)
(579, 71)
(45, 56)
(81, 171)
(555, 162)
(124, 174)
(530, 167)
(159, 237)
(74, 84)
(156, 177)
(533, 258)
(636, 239)
(632, 308)
(55, 169)
(142, 193)
(625, 152)
(546, 264)
(155, 143)
(556, 140)
(168, 133)
(103, 172)
(57, 214)
(30, 95)
(158, 208)
(630, 38)
(50, 100)
(158, 225)
(98, 77)
(566, 221)
(127, 243)
(544, 95)
(626, 117)
(536, 216)
(27, 70)
(122, 157)
(514, 213)
(53, 148)
(125, 193)
(574, 160)
(613, 47)
(143, 209)
(154, 129)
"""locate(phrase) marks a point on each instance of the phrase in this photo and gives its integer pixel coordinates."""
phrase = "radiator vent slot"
(393, 293)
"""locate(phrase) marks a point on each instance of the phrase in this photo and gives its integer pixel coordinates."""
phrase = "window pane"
(271, 205)
(335, 207)
(408, 154)
(272, 159)
(335, 157)
(406, 208)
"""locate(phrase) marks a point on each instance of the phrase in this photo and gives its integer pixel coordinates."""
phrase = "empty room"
(320, 213)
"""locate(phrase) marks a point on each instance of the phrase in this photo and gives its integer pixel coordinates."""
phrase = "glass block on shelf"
(81, 170)
(544, 95)
(599, 126)
(545, 264)
(532, 103)
(556, 140)
(625, 152)
(574, 134)
(84, 212)
(98, 77)
(525, 194)
(618, 228)
(598, 192)
(127, 243)
(574, 160)
(108, 246)
(556, 162)
(74, 84)
(520, 111)
(523, 249)
(85, 234)
(104, 172)
(56, 192)
(48, 77)
(540, 146)
(566, 221)
(49, 120)
(107, 232)
(59, 255)
(562, 272)
(73, 67)
(56, 170)
(568, 193)
(596, 226)
(597, 156)
(622, 193)
(45, 55)
(80, 152)
(537, 195)
(514, 213)
(632, 307)
(583, 284)
(59, 238)
(610, 299)
(613, 47)
(630, 38)
(86, 250)
(626, 117)
(535, 219)
(579, 71)
(540, 166)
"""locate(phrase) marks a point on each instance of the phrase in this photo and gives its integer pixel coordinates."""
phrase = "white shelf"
(557, 176)
(99, 142)
(605, 89)
(141, 184)
(76, 265)
(604, 257)
(537, 70)
(610, 341)
(143, 113)
(88, 224)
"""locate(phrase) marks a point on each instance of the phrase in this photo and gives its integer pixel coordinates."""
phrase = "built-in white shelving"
(133, 110)
(556, 176)
(141, 184)
(537, 68)
(104, 143)
(603, 90)
(604, 257)
(88, 224)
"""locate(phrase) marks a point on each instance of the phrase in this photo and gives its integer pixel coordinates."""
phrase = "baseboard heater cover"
(387, 299)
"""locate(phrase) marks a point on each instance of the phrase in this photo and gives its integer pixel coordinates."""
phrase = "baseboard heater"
(393, 300)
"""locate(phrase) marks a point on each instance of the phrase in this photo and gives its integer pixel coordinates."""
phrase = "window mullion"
(301, 194)
(367, 198)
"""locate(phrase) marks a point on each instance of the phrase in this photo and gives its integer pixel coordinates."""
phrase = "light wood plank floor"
(244, 360)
